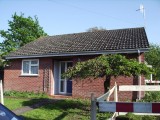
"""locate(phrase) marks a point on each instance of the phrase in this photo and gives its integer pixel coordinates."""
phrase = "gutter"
(62, 54)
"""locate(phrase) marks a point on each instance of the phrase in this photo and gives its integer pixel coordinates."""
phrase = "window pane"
(26, 67)
(34, 62)
(69, 64)
(62, 86)
(62, 69)
(34, 69)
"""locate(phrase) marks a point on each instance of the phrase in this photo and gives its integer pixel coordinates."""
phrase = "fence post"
(1, 88)
(116, 97)
(107, 99)
(115, 93)
(93, 107)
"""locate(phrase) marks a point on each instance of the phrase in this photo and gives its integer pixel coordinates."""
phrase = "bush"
(128, 116)
(149, 118)
(25, 94)
(131, 116)
(151, 97)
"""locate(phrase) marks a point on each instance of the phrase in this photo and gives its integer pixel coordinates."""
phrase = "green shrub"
(25, 94)
(131, 116)
(149, 117)
(153, 96)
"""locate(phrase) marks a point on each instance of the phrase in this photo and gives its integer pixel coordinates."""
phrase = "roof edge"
(79, 53)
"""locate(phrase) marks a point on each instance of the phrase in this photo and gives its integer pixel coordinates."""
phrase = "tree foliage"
(21, 31)
(153, 58)
(108, 65)
(93, 29)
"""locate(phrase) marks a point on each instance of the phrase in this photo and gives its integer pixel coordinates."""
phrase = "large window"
(30, 67)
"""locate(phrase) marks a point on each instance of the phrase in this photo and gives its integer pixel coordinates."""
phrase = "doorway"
(65, 84)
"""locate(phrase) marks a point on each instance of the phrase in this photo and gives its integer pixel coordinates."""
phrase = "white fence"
(1, 92)
(105, 97)
(104, 105)
(152, 81)
(139, 88)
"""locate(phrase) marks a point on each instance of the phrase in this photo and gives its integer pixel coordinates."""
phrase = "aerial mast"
(142, 10)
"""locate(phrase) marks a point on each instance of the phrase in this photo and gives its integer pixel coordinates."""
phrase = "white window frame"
(30, 74)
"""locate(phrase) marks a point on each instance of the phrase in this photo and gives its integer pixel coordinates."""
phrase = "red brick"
(80, 88)
(14, 81)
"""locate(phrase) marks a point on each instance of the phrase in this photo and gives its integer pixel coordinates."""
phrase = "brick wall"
(84, 88)
(13, 79)
(80, 88)
(121, 80)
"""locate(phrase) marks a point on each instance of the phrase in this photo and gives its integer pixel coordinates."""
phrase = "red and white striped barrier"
(135, 107)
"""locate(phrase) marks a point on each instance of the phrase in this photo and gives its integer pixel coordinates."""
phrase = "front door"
(65, 85)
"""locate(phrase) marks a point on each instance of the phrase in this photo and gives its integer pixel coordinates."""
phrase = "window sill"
(29, 75)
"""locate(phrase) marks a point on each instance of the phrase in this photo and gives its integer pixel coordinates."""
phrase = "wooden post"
(1, 88)
(115, 93)
(93, 107)
(108, 97)
(139, 78)
(115, 97)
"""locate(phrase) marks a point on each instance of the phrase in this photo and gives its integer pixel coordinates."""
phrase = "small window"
(30, 67)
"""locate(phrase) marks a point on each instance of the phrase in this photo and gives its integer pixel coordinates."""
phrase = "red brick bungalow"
(38, 66)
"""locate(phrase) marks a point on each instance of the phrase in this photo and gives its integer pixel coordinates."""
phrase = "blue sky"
(72, 16)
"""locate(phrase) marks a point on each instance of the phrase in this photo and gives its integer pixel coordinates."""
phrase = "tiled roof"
(109, 40)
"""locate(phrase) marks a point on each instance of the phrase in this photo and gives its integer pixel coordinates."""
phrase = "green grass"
(131, 116)
(25, 94)
(13, 103)
(69, 109)
(15, 99)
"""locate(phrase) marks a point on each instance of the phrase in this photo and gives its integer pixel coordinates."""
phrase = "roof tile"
(120, 39)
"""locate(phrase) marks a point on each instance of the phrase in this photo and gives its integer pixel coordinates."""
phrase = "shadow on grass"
(59, 104)
(33, 102)
(63, 115)
(66, 107)
(28, 118)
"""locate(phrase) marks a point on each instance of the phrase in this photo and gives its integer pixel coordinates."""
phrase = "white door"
(65, 85)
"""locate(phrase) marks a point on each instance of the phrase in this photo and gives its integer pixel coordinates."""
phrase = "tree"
(21, 31)
(108, 65)
(93, 29)
(153, 58)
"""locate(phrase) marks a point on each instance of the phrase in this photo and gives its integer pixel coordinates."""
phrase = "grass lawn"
(15, 99)
(69, 109)
(14, 103)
